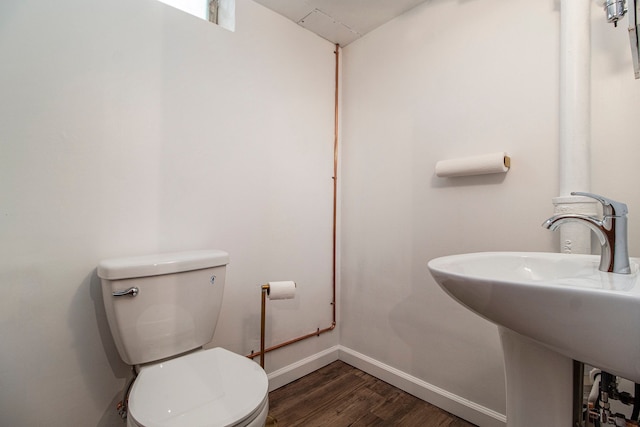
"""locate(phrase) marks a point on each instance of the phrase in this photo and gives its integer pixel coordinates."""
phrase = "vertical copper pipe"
(265, 288)
(335, 176)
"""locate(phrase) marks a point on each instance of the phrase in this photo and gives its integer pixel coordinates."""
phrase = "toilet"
(161, 310)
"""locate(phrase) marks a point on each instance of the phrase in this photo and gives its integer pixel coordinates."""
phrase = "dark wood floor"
(341, 395)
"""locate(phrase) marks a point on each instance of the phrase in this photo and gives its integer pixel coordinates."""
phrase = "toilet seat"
(203, 389)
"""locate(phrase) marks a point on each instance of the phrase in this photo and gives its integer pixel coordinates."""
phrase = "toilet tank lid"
(166, 263)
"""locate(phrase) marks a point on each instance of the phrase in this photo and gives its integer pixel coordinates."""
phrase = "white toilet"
(161, 310)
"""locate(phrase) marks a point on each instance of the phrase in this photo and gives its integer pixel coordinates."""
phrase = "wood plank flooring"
(340, 395)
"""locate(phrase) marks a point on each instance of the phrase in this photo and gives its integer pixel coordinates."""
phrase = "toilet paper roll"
(282, 290)
(476, 165)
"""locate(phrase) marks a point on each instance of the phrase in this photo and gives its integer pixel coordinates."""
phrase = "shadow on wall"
(437, 334)
(99, 378)
(468, 181)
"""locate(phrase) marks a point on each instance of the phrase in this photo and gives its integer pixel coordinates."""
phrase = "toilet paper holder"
(263, 315)
(263, 350)
(266, 290)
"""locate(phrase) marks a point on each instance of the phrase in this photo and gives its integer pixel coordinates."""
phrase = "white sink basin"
(561, 301)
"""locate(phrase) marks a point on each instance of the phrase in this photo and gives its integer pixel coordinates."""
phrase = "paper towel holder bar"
(491, 163)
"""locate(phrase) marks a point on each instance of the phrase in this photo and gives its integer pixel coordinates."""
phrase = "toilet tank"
(175, 307)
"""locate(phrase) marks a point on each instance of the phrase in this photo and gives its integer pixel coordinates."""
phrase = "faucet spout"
(594, 224)
(611, 231)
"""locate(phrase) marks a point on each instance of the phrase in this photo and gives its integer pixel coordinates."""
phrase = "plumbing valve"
(620, 420)
(615, 9)
(122, 410)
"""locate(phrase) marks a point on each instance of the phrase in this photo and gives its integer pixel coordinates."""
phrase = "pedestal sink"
(550, 308)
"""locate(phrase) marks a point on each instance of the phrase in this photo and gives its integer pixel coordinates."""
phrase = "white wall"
(450, 79)
(129, 127)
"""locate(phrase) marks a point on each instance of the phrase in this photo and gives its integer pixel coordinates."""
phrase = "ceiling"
(340, 21)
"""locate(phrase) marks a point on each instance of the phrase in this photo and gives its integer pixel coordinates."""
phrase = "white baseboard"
(441, 398)
(290, 373)
(459, 406)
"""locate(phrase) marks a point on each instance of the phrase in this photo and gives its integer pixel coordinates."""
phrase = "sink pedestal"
(539, 383)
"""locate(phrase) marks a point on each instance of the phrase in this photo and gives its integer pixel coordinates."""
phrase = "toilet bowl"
(162, 309)
(207, 388)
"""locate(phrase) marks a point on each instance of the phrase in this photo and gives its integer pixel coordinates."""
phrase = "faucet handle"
(609, 207)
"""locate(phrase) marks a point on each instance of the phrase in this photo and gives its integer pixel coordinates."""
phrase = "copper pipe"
(335, 178)
(317, 333)
(265, 288)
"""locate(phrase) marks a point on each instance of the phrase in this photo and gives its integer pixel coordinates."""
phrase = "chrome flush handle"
(130, 292)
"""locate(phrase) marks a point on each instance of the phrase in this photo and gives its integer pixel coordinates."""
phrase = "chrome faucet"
(611, 230)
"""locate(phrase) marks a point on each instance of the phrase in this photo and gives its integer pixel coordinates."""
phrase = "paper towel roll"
(282, 290)
(477, 165)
